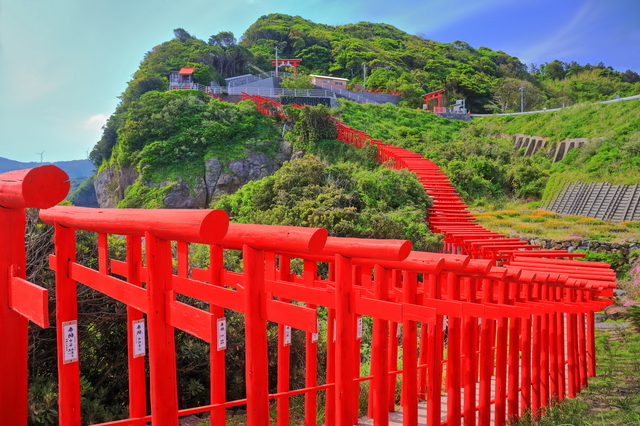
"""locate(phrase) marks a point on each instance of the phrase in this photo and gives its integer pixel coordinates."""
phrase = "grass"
(612, 398)
(554, 226)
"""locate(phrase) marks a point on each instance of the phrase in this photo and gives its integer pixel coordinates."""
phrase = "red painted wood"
(380, 353)
(137, 374)
(470, 361)
(289, 238)
(434, 350)
(41, 187)
(66, 310)
(162, 352)
(409, 354)
(13, 326)
(29, 300)
(368, 248)
(331, 415)
(501, 360)
(487, 358)
(217, 356)
(344, 345)
(199, 226)
(454, 408)
(257, 378)
(311, 355)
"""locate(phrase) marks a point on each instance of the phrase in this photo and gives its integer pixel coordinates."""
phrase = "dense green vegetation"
(481, 165)
(613, 157)
(341, 189)
(488, 80)
(485, 166)
(347, 200)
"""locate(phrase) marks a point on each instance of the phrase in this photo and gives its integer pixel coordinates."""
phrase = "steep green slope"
(484, 165)
(489, 80)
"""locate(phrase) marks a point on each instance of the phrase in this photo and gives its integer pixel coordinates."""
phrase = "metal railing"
(274, 92)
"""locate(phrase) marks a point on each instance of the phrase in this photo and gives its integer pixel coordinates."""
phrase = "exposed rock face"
(219, 178)
(616, 312)
(110, 185)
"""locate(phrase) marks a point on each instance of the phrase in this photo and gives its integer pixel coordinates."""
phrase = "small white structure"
(182, 79)
(329, 82)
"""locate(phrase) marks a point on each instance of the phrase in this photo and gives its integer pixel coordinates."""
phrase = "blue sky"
(63, 63)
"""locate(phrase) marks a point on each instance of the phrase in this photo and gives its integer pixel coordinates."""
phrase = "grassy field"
(613, 396)
(519, 219)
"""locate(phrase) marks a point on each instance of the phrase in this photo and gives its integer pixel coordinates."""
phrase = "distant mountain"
(76, 169)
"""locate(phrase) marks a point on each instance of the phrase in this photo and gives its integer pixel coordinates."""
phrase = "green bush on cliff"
(346, 199)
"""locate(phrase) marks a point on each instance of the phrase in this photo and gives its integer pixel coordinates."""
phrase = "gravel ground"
(611, 325)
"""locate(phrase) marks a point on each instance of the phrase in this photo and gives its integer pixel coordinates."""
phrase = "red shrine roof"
(186, 71)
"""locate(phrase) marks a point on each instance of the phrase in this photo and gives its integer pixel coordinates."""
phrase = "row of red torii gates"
(520, 321)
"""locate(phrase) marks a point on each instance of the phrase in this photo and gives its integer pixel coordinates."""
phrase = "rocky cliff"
(219, 177)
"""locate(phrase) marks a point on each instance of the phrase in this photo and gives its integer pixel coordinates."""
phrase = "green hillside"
(485, 166)
(164, 136)
(488, 80)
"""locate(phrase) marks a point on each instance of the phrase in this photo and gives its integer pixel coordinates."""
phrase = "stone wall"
(580, 244)
(454, 116)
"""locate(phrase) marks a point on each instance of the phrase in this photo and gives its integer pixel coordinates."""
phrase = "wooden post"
(67, 328)
(454, 408)
(501, 360)
(434, 356)
(544, 352)
(256, 337)
(379, 353)
(515, 324)
(344, 347)
(162, 350)
(40, 187)
(311, 355)
(487, 358)
(137, 375)
(469, 347)
(409, 354)
(13, 326)
(216, 354)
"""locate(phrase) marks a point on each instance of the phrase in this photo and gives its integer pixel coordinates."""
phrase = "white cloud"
(95, 122)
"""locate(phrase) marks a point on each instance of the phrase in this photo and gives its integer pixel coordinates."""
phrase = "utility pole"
(364, 89)
(276, 60)
(522, 89)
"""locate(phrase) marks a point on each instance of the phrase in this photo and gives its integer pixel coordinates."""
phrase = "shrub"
(502, 222)
(509, 213)
(486, 218)
(633, 314)
(545, 214)
(591, 221)
(554, 224)
(535, 219)
(527, 229)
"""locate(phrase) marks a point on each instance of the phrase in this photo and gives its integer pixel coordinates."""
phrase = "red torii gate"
(437, 95)
(20, 300)
(522, 305)
(295, 63)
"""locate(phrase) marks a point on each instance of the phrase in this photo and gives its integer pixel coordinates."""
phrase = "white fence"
(270, 91)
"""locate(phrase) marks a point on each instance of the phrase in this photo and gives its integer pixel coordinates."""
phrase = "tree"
(299, 81)
(224, 39)
(554, 70)
(507, 95)
(630, 77)
(181, 34)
